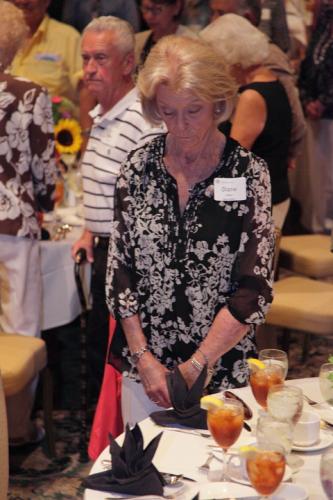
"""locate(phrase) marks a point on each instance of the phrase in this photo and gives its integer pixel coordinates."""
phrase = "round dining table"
(182, 451)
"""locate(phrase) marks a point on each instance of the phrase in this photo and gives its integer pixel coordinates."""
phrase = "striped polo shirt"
(113, 135)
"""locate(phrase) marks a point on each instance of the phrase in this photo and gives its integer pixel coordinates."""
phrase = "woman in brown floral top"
(189, 272)
(27, 180)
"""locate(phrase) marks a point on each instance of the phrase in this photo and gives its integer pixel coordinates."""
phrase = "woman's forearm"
(133, 332)
(224, 334)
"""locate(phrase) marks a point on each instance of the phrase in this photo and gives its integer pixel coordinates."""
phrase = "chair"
(301, 304)
(4, 468)
(22, 358)
(307, 255)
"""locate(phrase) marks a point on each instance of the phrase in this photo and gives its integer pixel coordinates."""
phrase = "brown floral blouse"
(27, 166)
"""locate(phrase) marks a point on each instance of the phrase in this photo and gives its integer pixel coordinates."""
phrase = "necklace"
(322, 46)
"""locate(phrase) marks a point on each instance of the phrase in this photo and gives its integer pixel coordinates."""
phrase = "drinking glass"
(265, 467)
(326, 382)
(285, 402)
(326, 472)
(270, 430)
(225, 424)
(262, 379)
(275, 356)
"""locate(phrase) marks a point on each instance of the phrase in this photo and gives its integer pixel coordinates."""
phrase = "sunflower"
(67, 136)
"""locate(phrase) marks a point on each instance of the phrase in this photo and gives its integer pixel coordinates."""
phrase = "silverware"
(195, 432)
(205, 466)
(310, 401)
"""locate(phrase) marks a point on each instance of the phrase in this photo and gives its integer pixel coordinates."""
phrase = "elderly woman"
(189, 269)
(27, 179)
(262, 119)
(163, 18)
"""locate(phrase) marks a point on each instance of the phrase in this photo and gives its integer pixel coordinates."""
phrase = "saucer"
(187, 490)
(326, 412)
(235, 473)
(221, 489)
(288, 491)
(325, 440)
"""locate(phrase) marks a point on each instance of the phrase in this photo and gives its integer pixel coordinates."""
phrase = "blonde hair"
(237, 40)
(13, 32)
(185, 63)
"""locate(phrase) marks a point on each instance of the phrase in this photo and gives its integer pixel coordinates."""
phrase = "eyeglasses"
(154, 11)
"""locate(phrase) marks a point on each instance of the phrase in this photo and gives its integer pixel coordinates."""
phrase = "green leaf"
(330, 358)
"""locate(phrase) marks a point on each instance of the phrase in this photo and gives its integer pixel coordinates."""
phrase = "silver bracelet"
(204, 356)
(196, 364)
(135, 357)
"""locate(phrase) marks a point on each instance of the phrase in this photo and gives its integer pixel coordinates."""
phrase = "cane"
(80, 258)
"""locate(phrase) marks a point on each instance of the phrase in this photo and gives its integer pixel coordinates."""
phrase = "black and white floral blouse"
(178, 270)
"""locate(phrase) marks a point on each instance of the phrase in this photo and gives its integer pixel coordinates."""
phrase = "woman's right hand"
(153, 378)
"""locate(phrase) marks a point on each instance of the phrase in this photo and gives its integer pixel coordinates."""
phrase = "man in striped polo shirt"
(118, 126)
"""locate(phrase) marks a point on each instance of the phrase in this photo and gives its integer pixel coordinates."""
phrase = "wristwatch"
(135, 357)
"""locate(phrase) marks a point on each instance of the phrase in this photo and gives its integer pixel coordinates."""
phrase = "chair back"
(276, 253)
(4, 467)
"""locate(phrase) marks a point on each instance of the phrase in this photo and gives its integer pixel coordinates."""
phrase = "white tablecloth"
(183, 453)
(61, 303)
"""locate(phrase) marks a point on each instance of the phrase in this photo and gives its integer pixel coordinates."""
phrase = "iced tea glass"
(225, 424)
(265, 467)
(261, 380)
(275, 356)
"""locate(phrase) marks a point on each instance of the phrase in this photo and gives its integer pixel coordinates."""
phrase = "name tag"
(44, 56)
(265, 14)
(233, 189)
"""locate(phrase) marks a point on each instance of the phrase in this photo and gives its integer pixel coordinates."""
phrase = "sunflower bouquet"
(68, 141)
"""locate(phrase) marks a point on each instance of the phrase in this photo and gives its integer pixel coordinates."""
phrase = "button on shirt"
(112, 137)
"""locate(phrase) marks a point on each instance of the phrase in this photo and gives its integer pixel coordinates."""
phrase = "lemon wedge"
(244, 450)
(255, 363)
(210, 403)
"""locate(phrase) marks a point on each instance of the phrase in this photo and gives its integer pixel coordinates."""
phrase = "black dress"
(273, 143)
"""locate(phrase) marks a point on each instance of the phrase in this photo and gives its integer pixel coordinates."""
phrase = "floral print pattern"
(27, 166)
(178, 270)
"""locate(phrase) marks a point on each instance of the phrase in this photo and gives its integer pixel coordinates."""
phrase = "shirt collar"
(117, 109)
(42, 28)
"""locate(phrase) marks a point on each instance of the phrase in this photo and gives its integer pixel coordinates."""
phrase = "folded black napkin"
(186, 402)
(132, 472)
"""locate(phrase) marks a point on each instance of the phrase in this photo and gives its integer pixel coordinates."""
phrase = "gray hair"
(14, 31)
(121, 29)
(237, 40)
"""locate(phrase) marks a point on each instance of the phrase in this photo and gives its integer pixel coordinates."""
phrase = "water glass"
(326, 382)
(285, 402)
(275, 356)
(326, 472)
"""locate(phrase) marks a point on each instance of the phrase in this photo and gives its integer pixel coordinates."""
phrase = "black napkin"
(186, 402)
(132, 470)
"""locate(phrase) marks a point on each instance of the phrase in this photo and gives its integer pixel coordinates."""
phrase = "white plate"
(289, 491)
(325, 440)
(186, 491)
(325, 411)
(217, 490)
(237, 474)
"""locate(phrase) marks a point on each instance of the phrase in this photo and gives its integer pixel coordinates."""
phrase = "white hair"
(121, 29)
(237, 40)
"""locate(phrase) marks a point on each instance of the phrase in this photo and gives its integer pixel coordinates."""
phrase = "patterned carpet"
(35, 476)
